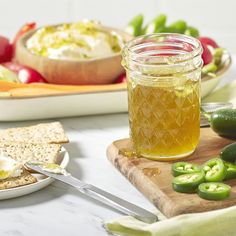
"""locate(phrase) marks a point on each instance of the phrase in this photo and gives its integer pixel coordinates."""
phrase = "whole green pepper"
(223, 122)
(217, 55)
(134, 27)
(228, 153)
(179, 26)
(209, 68)
(156, 25)
(192, 31)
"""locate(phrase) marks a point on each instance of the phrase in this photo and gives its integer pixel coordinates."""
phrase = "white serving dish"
(43, 181)
(16, 109)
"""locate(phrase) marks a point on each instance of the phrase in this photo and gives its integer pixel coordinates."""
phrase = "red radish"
(206, 54)
(24, 29)
(25, 74)
(5, 49)
(209, 42)
(28, 76)
(121, 79)
(13, 66)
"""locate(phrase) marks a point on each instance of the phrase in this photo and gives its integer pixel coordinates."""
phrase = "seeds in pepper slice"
(188, 183)
(181, 168)
(215, 170)
(214, 191)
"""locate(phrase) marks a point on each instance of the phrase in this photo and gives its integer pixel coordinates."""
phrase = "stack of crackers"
(39, 143)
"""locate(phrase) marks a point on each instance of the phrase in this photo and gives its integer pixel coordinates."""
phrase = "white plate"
(15, 109)
(43, 181)
(209, 85)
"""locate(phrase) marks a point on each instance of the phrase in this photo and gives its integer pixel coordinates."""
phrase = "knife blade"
(94, 192)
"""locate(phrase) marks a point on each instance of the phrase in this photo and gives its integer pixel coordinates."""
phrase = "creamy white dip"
(9, 168)
(82, 40)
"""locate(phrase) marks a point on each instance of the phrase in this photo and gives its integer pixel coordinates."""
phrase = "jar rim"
(131, 49)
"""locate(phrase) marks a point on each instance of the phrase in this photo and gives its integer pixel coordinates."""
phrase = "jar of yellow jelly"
(163, 76)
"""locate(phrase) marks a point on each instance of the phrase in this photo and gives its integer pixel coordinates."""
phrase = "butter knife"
(96, 193)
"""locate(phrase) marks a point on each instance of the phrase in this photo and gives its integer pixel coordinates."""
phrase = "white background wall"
(215, 18)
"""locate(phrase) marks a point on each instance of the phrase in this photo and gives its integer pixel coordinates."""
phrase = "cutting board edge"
(168, 206)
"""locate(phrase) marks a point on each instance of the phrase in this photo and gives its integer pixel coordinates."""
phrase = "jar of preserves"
(163, 76)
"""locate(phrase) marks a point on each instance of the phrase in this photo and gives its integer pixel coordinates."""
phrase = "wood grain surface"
(153, 178)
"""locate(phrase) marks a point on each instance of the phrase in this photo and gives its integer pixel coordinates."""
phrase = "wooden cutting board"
(154, 178)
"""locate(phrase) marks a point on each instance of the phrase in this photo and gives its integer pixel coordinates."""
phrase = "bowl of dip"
(81, 53)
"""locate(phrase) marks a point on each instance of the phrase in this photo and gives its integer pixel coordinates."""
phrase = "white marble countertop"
(61, 210)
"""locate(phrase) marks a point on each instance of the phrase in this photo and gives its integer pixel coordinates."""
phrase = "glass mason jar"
(163, 76)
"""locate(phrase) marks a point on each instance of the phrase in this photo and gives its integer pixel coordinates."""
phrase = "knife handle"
(119, 204)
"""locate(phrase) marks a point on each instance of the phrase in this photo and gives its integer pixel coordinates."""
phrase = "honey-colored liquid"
(164, 118)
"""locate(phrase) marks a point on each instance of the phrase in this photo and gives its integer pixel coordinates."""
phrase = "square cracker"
(25, 179)
(42, 133)
(24, 152)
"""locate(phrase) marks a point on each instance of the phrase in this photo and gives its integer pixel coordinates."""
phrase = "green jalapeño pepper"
(230, 171)
(215, 170)
(135, 25)
(209, 68)
(181, 168)
(223, 122)
(188, 183)
(156, 25)
(214, 191)
(192, 31)
(217, 55)
(177, 27)
(228, 153)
